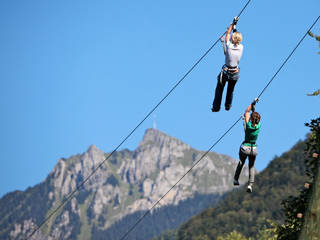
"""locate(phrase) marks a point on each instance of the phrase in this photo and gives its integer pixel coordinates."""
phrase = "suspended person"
(249, 147)
(230, 71)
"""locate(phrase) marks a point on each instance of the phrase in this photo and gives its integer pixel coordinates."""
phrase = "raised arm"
(247, 113)
(234, 22)
(249, 108)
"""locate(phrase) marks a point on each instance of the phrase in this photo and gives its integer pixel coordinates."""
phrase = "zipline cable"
(288, 57)
(102, 162)
(235, 123)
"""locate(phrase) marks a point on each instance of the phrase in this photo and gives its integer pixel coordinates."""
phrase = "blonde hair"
(236, 38)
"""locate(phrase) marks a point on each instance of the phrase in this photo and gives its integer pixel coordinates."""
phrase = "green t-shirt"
(251, 134)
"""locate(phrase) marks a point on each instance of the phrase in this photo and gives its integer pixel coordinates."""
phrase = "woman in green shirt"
(249, 147)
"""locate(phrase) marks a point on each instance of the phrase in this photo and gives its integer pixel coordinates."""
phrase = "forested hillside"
(249, 213)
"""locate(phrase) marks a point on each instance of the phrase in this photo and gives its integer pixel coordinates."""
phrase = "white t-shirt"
(233, 54)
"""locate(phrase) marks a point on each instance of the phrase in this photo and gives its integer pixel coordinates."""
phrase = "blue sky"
(75, 73)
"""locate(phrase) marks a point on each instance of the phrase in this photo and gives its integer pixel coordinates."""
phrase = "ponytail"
(255, 117)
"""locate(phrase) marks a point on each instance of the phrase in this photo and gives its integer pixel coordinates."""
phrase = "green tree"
(202, 237)
(268, 233)
(316, 93)
(233, 236)
(311, 225)
(295, 207)
(316, 37)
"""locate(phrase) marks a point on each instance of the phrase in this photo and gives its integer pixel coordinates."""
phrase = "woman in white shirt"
(230, 71)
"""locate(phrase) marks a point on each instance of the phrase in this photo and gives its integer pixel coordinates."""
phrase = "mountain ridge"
(128, 183)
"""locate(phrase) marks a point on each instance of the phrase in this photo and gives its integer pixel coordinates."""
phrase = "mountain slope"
(126, 186)
(247, 213)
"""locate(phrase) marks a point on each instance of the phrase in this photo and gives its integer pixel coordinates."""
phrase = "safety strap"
(220, 78)
(230, 69)
(227, 69)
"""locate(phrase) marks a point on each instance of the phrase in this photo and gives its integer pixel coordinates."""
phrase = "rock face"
(127, 183)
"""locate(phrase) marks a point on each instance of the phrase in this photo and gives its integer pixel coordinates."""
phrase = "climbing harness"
(248, 150)
(226, 69)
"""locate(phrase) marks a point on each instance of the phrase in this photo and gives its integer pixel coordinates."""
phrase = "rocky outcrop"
(129, 182)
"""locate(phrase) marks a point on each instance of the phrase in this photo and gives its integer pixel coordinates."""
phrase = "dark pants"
(251, 153)
(232, 79)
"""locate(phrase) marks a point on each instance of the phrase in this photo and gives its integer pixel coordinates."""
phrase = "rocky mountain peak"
(157, 151)
(93, 148)
(156, 137)
(94, 154)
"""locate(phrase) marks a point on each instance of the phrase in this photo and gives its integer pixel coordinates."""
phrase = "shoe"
(235, 182)
(215, 109)
(228, 108)
(249, 188)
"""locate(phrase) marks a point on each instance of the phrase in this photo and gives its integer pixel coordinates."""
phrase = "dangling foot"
(235, 182)
(215, 109)
(249, 188)
(227, 108)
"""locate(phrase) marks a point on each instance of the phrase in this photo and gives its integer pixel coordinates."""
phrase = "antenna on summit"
(154, 121)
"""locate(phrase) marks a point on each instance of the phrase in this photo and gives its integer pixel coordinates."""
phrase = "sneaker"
(235, 182)
(249, 188)
(215, 109)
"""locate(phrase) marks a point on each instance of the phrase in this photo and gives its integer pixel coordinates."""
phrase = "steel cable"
(154, 108)
(147, 212)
